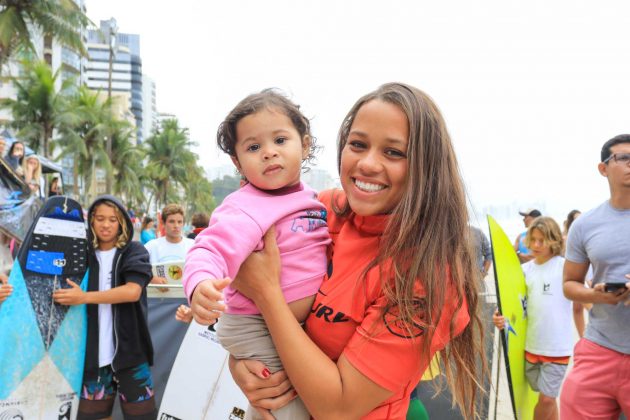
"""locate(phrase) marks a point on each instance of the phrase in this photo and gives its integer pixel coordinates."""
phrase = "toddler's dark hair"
(266, 99)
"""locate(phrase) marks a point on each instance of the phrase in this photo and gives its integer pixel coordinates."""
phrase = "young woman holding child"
(401, 282)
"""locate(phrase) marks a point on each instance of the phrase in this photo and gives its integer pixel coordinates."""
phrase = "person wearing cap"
(524, 254)
(598, 386)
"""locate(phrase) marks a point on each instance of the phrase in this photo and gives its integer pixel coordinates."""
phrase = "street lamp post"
(113, 29)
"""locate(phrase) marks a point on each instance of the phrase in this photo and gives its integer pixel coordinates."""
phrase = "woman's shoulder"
(334, 195)
(336, 208)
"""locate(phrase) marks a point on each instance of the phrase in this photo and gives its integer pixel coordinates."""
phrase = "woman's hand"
(264, 390)
(498, 320)
(206, 300)
(72, 296)
(260, 272)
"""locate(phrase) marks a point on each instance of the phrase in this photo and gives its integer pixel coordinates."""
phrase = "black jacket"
(132, 341)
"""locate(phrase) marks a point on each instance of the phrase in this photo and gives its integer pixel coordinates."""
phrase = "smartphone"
(614, 286)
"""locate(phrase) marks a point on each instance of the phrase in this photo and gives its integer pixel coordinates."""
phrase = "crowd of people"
(584, 266)
(349, 294)
(28, 167)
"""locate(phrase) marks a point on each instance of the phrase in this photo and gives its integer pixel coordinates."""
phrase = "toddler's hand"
(206, 302)
(184, 314)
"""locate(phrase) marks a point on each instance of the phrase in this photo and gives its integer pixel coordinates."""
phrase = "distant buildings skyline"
(149, 107)
(126, 71)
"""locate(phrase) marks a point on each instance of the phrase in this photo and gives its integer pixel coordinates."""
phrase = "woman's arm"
(327, 389)
(129, 292)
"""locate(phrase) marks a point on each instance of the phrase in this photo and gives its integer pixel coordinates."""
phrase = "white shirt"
(105, 316)
(549, 313)
(161, 250)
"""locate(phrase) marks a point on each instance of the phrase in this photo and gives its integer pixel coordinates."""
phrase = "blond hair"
(123, 231)
(37, 173)
(552, 236)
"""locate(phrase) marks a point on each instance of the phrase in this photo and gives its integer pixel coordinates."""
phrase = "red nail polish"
(266, 373)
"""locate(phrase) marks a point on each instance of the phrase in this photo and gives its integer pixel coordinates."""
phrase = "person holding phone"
(598, 386)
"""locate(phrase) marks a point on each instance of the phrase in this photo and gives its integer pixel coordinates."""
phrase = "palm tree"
(199, 196)
(19, 20)
(127, 163)
(85, 140)
(169, 159)
(198, 190)
(39, 108)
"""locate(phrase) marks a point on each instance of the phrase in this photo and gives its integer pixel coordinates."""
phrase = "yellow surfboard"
(512, 300)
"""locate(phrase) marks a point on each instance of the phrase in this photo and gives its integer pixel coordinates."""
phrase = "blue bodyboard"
(42, 344)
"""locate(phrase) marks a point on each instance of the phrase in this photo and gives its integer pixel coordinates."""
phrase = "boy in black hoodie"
(119, 350)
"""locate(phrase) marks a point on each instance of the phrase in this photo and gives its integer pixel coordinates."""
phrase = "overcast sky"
(530, 90)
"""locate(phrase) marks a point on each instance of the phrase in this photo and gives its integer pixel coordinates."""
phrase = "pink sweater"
(236, 229)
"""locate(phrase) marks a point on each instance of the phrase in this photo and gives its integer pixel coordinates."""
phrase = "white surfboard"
(200, 385)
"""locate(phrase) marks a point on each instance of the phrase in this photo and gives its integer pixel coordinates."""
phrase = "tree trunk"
(5, 57)
(47, 136)
(75, 176)
(149, 202)
(164, 198)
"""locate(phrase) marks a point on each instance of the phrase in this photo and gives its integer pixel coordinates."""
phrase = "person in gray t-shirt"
(599, 384)
(482, 249)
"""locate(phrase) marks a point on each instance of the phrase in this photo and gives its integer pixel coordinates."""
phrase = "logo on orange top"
(396, 326)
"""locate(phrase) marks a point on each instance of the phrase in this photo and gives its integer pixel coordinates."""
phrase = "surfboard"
(512, 301)
(200, 385)
(42, 344)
